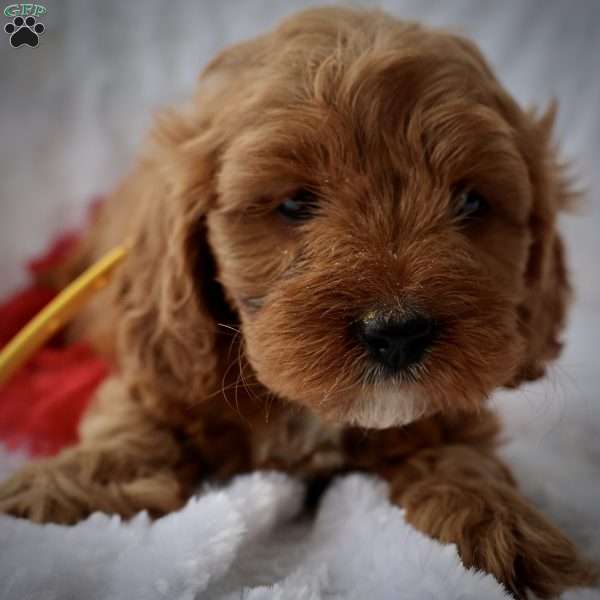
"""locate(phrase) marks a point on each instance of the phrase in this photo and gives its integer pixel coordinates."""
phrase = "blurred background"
(73, 110)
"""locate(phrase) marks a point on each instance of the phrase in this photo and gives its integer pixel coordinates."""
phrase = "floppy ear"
(167, 299)
(547, 291)
(166, 329)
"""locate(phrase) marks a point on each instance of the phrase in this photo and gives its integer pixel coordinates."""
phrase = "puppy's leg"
(124, 463)
(464, 496)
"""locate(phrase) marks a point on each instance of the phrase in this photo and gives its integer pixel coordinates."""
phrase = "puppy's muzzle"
(395, 342)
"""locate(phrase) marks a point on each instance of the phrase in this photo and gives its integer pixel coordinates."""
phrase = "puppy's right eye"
(300, 206)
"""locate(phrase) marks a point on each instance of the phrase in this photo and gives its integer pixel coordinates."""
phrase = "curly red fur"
(229, 326)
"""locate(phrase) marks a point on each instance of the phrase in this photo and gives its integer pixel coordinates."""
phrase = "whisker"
(243, 361)
(225, 326)
(230, 387)
(227, 370)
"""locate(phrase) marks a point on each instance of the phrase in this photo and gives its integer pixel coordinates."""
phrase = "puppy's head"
(380, 216)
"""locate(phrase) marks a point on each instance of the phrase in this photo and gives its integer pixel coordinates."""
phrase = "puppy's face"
(372, 227)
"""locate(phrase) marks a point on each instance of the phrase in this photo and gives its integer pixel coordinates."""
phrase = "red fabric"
(40, 406)
(20, 308)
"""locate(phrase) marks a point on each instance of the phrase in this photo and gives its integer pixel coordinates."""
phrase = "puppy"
(340, 248)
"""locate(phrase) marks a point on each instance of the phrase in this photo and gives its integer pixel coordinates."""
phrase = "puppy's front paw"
(63, 490)
(496, 531)
(37, 493)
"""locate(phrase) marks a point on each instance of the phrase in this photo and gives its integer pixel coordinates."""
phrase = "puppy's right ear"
(166, 331)
(166, 296)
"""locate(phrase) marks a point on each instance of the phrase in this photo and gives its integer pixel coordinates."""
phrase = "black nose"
(396, 343)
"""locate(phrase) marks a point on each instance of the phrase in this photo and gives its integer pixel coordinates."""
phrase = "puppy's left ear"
(547, 291)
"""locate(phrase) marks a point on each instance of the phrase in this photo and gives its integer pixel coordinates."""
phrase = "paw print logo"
(24, 31)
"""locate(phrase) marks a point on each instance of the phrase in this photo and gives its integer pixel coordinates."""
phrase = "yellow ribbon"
(58, 312)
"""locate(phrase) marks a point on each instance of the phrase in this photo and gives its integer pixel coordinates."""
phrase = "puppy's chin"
(388, 406)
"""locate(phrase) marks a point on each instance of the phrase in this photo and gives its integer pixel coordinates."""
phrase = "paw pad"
(24, 31)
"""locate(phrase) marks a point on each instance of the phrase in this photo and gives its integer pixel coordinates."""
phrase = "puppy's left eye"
(470, 204)
(299, 206)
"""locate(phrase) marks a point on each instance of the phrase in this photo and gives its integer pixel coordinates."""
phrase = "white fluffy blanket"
(246, 541)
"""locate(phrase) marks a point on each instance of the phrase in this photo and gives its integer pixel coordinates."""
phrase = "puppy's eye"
(299, 206)
(470, 204)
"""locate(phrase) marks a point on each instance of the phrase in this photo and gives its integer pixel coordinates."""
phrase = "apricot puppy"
(342, 246)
